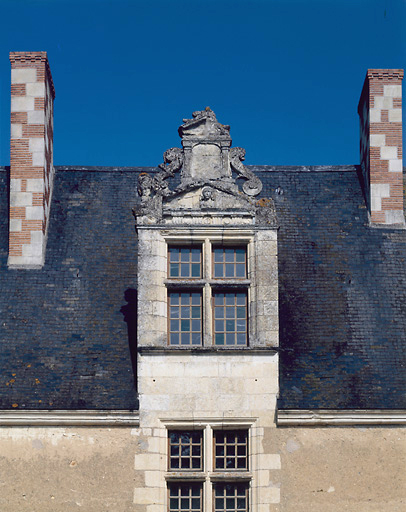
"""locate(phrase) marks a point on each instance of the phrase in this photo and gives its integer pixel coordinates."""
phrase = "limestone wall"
(96, 470)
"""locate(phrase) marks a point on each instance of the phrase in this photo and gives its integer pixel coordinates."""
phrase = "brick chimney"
(380, 112)
(31, 157)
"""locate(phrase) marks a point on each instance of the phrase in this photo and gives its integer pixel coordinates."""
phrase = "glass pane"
(175, 312)
(219, 503)
(184, 269)
(230, 312)
(230, 299)
(195, 490)
(174, 298)
(184, 254)
(219, 463)
(229, 503)
(219, 339)
(196, 338)
(230, 325)
(174, 338)
(220, 450)
(219, 326)
(219, 299)
(219, 312)
(218, 270)
(185, 463)
(240, 270)
(195, 311)
(241, 312)
(185, 325)
(241, 325)
(241, 299)
(241, 338)
(229, 270)
(185, 312)
(240, 503)
(196, 254)
(241, 450)
(184, 503)
(173, 254)
(174, 270)
(185, 338)
(218, 254)
(240, 254)
(195, 269)
(229, 254)
(174, 325)
(185, 299)
(230, 338)
(195, 463)
(175, 463)
(196, 325)
(196, 298)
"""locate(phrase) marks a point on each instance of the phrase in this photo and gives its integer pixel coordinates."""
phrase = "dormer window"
(185, 262)
(207, 295)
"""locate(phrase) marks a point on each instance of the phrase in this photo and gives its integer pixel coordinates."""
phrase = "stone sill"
(332, 417)
(206, 350)
(61, 418)
(230, 476)
(186, 475)
(200, 476)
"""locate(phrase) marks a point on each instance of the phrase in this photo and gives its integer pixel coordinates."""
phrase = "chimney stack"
(380, 111)
(31, 157)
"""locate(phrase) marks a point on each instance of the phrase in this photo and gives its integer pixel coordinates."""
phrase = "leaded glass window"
(185, 318)
(230, 318)
(229, 262)
(185, 497)
(185, 262)
(231, 497)
(231, 450)
(185, 450)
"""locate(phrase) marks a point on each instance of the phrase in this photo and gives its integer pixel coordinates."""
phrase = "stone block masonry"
(380, 111)
(31, 157)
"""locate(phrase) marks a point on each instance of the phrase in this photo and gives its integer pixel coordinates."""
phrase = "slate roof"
(67, 331)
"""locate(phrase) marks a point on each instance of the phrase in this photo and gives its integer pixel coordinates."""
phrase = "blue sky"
(285, 74)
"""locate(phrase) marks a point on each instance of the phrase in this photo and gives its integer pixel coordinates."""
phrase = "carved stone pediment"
(206, 164)
(209, 196)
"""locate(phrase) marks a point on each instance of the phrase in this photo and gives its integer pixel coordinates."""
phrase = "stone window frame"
(207, 284)
(209, 476)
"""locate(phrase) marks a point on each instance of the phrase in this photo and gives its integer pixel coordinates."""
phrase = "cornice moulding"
(63, 418)
(321, 417)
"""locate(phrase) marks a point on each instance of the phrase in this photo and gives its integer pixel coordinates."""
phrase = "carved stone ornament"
(205, 162)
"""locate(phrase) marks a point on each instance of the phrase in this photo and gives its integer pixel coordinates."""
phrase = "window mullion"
(209, 466)
(207, 309)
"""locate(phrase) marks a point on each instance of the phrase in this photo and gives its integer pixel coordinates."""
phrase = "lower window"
(231, 497)
(185, 497)
(210, 462)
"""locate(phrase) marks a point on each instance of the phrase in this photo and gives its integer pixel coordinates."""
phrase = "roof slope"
(67, 331)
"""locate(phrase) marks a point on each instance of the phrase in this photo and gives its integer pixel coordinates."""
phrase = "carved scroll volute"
(253, 185)
(173, 161)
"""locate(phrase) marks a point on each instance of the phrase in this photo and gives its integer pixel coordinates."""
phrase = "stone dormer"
(207, 209)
